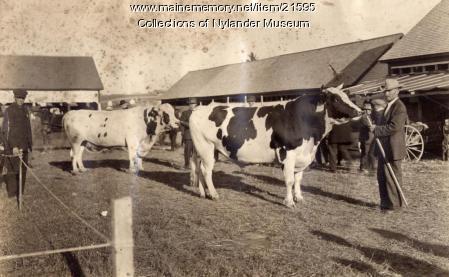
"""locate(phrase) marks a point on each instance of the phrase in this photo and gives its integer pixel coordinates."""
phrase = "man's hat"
(391, 84)
(193, 101)
(251, 98)
(20, 93)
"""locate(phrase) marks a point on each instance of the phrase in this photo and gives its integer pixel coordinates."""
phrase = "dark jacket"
(185, 116)
(391, 131)
(342, 134)
(16, 129)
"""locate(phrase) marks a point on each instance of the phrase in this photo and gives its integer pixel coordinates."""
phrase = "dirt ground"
(337, 230)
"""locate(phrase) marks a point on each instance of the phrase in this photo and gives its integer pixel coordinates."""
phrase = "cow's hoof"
(83, 169)
(75, 172)
(214, 196)
(289, 203)
(299, 198)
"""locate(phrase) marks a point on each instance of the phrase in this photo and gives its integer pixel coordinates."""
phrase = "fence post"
(123, 237)
(20, 156)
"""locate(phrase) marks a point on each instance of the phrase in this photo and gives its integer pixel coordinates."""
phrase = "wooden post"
(419, 109)
(227, 100)
(261, 99)
(20, 181)
(123, 237)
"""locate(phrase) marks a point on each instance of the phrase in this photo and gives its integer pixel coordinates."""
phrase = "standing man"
(16, 134)
(340, 141)
(366, 138)
(390, 131)
(445, 143)
(187, 138)
(45, 127)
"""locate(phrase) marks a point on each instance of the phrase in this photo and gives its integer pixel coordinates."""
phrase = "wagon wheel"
(414, 143)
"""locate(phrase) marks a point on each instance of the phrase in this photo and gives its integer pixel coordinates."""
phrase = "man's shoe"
(386, 210)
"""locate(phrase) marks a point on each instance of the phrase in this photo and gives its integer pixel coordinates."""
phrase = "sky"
(133, 60)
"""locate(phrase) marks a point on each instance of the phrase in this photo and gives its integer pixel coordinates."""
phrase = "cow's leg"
(132, 154)
(207, 166)
(289, 177)
(298, 178)
(74, 153)
(195, 174)
(205, 151)
(79, 159)
(139, 162)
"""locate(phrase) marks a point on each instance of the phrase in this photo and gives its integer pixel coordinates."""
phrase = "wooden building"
(285, 76)
(50, 79)
(420, 61)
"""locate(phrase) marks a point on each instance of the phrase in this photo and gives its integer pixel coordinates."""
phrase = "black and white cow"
(288, 133)
(136, 128)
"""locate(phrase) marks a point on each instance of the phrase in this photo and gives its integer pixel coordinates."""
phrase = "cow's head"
(160, 118)
(339, 107)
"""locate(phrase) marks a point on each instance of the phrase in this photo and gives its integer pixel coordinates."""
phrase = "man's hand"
(15, 151)
(372, 127)
(365, 120)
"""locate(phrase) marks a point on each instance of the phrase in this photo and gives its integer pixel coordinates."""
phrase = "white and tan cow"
(288, 133)
(136, 128)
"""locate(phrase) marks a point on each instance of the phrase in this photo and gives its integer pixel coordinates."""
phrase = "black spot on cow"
(90, 115)
(218, 115)
(219, 134)
(151, 128)
(106, 119)
(153, 113)
(99, 135)
(105, 134)
(293, 123)
(240, 129)
(165, 118)
(282, 154)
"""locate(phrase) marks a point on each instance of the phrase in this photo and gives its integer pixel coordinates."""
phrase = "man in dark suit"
(16, 135)
(186, 137)
(340, 141)
(390, 131)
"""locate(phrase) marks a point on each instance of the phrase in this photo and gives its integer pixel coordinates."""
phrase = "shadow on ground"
(117, 164)
(311, 190)
(178, 180)
(435, 249)
(400, 264)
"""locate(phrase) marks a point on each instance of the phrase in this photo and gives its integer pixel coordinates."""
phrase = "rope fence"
(122, 241)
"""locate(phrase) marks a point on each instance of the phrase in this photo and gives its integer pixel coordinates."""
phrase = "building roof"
(296, 71)
(47, 73)
(411, 83)
(429, 37)
(117, 97)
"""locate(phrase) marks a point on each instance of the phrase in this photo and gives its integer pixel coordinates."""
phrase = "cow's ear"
(340, 86)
